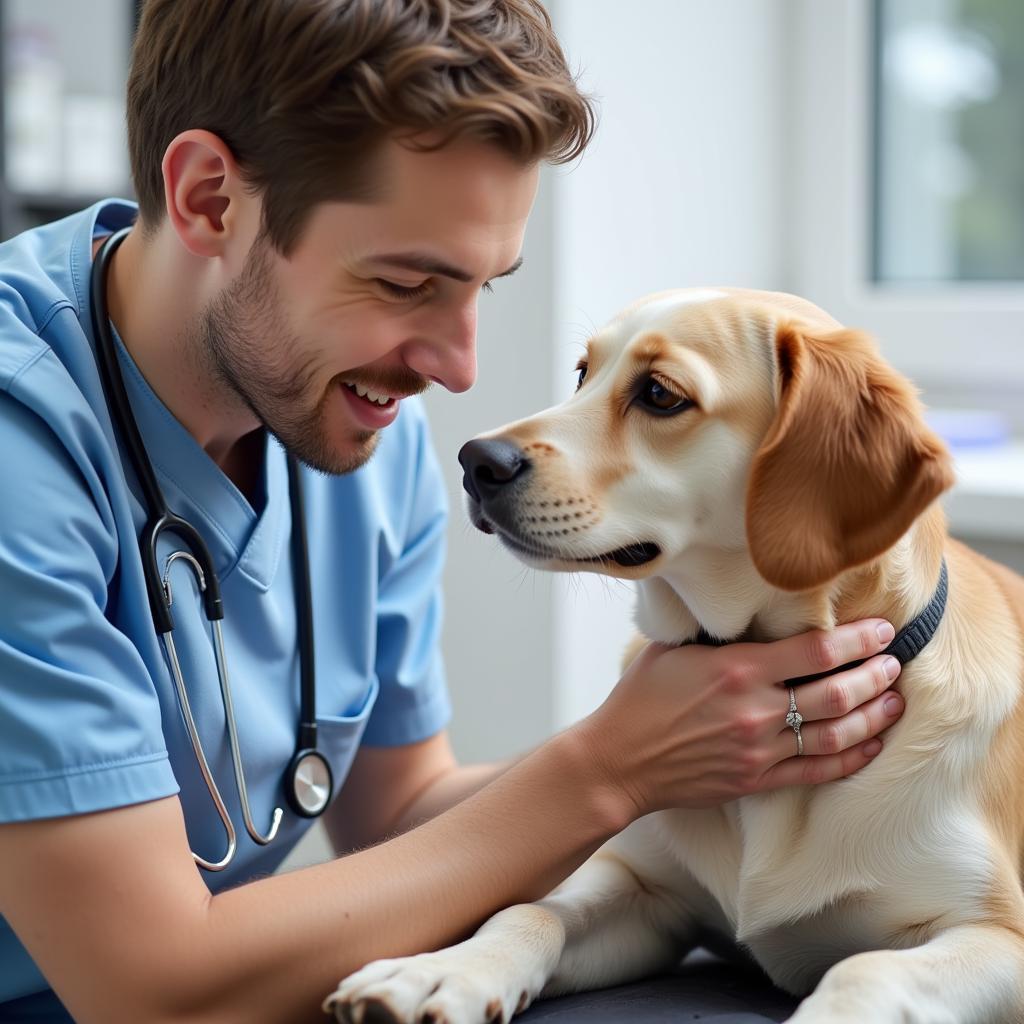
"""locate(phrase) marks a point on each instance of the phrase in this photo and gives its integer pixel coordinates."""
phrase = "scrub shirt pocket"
(338, 736)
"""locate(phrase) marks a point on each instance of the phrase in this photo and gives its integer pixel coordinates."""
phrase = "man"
(325, 186)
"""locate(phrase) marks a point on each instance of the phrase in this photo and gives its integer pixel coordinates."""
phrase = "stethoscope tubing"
(197, 556)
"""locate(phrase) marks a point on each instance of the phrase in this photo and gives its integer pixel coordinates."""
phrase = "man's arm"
(113, 909)
(116, 914)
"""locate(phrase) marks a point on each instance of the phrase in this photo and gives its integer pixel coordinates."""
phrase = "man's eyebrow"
(423, 264)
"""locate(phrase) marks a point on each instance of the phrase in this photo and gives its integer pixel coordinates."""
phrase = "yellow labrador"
(760, 471)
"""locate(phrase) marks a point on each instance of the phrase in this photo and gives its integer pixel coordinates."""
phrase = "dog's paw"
(446, 987)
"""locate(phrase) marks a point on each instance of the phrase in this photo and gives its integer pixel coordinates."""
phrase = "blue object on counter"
(969, 428)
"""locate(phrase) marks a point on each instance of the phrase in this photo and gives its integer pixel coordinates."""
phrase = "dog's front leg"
(972, 974)
(601, 926)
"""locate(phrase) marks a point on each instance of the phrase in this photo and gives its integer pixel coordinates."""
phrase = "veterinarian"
(324, 188)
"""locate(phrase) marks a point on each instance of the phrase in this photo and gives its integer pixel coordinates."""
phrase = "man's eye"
(582, 368)
(401, 291)
(659, 399)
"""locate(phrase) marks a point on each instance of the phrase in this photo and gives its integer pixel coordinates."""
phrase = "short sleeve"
(413, 703)
(80, 723)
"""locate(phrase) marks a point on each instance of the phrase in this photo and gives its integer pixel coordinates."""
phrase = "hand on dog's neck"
(721, 591)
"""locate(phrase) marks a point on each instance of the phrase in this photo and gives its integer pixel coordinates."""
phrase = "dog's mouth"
(629, 557)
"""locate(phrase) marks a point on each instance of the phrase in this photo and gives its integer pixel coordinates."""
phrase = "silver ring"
(794, 720)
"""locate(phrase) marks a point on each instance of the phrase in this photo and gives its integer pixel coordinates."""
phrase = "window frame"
(961, 342)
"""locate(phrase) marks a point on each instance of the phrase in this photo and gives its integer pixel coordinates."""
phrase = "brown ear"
(847, 465)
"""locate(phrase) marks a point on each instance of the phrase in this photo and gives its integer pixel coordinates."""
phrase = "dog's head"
(725, 419)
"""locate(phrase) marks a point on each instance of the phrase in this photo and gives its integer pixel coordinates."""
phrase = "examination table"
(704, 989)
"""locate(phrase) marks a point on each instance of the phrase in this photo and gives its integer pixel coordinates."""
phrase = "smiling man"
(318, 342)
(325, 187)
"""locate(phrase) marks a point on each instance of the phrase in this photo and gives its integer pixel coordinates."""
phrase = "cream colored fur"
(890, 896)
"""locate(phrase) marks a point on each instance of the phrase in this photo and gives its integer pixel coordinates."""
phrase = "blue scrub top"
(88, 715)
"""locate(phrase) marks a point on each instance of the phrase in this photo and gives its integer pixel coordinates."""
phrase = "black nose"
(490, 465)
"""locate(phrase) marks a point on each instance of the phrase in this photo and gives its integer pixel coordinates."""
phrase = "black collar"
(906, 644)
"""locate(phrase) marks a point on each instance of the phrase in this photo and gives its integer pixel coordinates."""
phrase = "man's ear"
(206, 200)
(847, 464)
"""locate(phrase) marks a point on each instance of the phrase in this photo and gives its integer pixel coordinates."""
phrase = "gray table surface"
(703, 988)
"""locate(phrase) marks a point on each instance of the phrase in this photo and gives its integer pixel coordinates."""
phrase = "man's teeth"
(370, 396)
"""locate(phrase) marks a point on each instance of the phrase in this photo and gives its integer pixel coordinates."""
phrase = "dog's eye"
(583, 373)
(658, 398)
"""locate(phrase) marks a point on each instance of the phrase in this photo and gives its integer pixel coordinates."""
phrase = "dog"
(759, 470)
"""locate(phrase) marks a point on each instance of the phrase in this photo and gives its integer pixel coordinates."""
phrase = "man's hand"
(695, 726)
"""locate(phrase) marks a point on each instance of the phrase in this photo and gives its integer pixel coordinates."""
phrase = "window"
(907, 191)
(948, 140)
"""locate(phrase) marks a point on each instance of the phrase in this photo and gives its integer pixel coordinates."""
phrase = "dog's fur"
(798, 492)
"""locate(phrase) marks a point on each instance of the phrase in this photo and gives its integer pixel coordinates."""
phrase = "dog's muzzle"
(490, 469)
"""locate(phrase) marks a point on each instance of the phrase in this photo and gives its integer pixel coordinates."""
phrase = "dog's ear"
(847, 464)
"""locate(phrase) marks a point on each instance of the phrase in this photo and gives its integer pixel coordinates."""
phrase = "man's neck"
(155, 296)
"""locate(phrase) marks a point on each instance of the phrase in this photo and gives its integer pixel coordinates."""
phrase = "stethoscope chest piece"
(309, 783)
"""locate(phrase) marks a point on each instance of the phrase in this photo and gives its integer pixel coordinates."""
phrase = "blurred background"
(868, 154)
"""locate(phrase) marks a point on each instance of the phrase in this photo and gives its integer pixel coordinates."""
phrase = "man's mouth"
(374, 397)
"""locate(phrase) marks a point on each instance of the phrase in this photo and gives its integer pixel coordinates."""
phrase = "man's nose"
(491, 465)
(449, 356)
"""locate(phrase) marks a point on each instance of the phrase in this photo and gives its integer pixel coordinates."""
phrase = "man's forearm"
(270, 950)
(424, 889)
(454, 787)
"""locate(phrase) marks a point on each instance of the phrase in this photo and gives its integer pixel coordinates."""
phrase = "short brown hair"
(304, 91)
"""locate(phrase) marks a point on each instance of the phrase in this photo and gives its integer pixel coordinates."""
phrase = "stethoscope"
(308, 781)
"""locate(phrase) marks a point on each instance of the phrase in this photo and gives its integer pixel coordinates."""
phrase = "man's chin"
(334, 459)
(360, 454)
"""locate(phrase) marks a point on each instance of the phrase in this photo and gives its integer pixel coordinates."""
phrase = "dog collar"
(906, 644)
